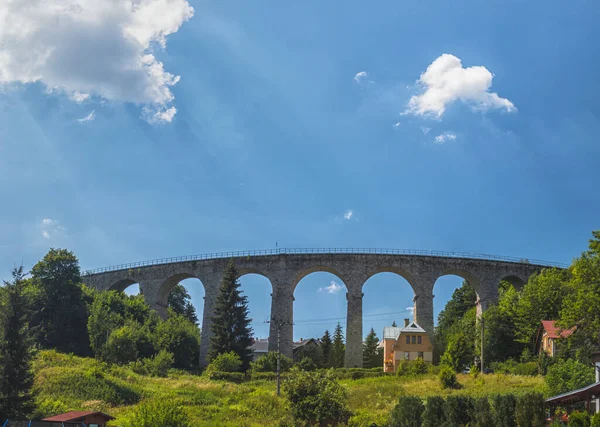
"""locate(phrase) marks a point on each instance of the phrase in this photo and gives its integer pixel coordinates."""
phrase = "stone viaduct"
(286, 267)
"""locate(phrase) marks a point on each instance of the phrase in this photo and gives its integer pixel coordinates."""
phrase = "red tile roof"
(76, 416)
(554, 331)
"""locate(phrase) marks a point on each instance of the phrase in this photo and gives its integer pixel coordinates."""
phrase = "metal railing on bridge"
(300, 251)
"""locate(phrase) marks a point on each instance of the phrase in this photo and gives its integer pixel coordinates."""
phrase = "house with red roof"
(80, 418)
(548, 335)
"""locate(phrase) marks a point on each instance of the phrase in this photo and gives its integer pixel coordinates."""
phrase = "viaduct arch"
(286, 267)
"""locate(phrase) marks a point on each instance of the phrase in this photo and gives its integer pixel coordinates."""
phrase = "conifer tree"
(370, 350)
(338, 349)
(326, 345)
(231, 329)
(16, 378)
(394, 324)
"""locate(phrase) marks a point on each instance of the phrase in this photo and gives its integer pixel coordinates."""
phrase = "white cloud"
(443, 137)
(92, 48)
(348, 214)
(411, 309)
(425, 130)
(446, 81)
(397, 125)
(88, 118)
(333, 288)
(360, 77)
(52, 228)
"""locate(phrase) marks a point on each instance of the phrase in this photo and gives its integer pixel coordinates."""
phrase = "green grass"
(66, 382)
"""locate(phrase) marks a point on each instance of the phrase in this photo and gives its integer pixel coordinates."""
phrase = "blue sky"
(273, 134)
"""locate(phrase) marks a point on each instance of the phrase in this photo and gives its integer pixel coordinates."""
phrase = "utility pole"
(482, 340)
(279, 324)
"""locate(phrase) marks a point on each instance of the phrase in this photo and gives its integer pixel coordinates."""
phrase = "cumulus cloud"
(446, 81)
(88, 118)
(52, 228)
(411, 309)
(444, 137)
(360, 76)
(333, 288)
(348, 214)
(87, 48)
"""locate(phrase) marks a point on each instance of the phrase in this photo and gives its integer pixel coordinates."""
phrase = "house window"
(414, 339)
(406, 355)
(419, 339)
(408, 339)
(420, 355)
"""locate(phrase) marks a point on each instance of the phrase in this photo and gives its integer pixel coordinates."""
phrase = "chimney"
(406, 322)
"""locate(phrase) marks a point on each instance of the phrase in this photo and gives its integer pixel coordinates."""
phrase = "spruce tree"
(231, 329)
(326, 345)
(338, 349)
(370, 350)
(16, 378)
(394, 324)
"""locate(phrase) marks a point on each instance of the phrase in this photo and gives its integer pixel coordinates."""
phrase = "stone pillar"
(354, 332)
(487, 295)
(282, 318)
(150, 289)
(210, 295)
(423, 310)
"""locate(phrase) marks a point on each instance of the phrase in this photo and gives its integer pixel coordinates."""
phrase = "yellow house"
(548, 334)
(407, 343)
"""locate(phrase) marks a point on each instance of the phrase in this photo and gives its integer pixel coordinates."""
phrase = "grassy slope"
(66, 382)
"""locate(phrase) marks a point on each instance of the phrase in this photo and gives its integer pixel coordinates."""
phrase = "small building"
(304, 347)
(408, 343)
(548, 335)
(260, 347)
(80, 418)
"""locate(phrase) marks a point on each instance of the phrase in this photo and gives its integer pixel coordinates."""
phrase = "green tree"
(461, 341)
(566, 375)
(338, 348)
(407, 412)
(310, 351)
(120, 347)
(370, 347)
(16, 378)
(58, 313)
(462, 300)
(326, 345)
(434, 412)
(268, 363)
(179, 336)
(180, 302)
(231, 329)
(394, 325)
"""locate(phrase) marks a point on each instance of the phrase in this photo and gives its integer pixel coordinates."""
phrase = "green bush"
(529, 410)
(595, 421)
(407, 412)
(434, 412)
(307, 364)
(268, 363)
(158, 413)
(226, 362)
(316, 398)
(403, 368)
(459, 410)
(482, 413)
(234, 377)
(418, 367)
(503, 408)
(181, 337)
(159, 365)
(579, 419)
(447, 377)
(513, 368)
(121, 346)
(567, 375)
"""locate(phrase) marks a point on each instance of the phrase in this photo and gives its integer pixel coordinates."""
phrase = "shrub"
(268, 363)
(579, 419)
(418, 367)
(595, 421)
(181, 337)
(316, 398)
(434, 412)
(121, 346)
(459, 410)
(482, 413)
(503, 408)
(403, 368)
(307, 364)
(407, 412)
(158, 413)
(447, 377)
(529, 410)
(567, 375)
(226, 362)
(158, 365)
(234, 377)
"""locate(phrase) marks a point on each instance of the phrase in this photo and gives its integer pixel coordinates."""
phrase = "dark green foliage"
(338, 348)
(447, 377)
(121, 346)
(180, 302)
(158, 413)
(407, 412)
(234, 377)
(326, 345)
(515, 368)
(268, 363)
(418, 367)
(316, 398)
(462, 300)
(566, 375)
(482, 413)
(461, 340)
(434, 412)
(225, 362)
(311, 351)
(579, 419)
(16, 379)
(307, 364)
(503, 409)
(230, 324)
(57, 311)
(595, 421)
(459, 410)
(370, 347)
(529, 411)
(179, 336)
(156, 366)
